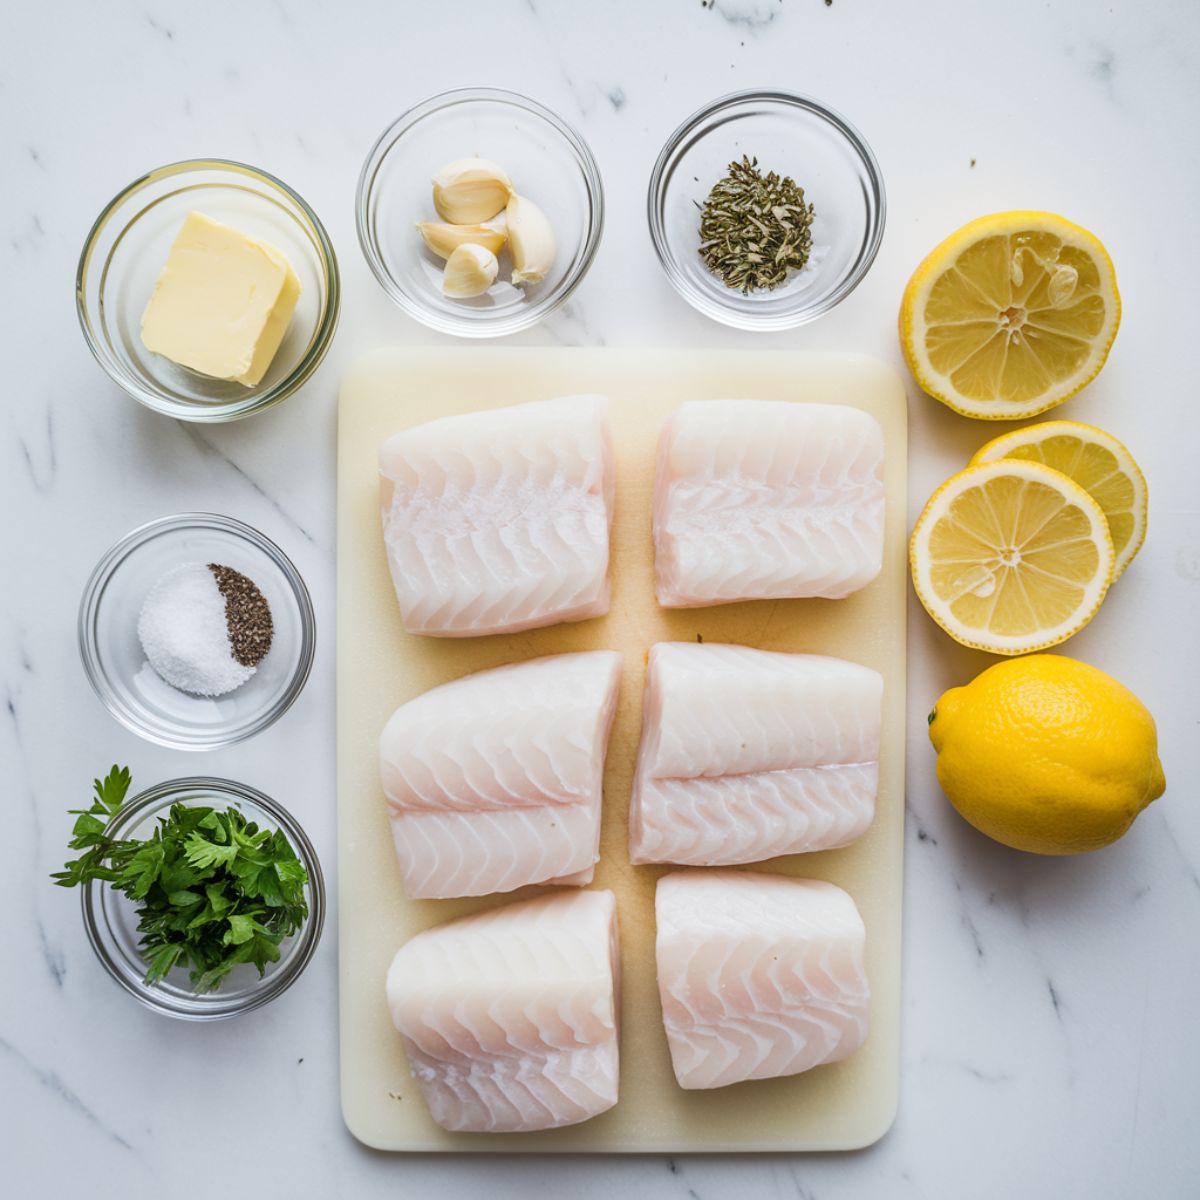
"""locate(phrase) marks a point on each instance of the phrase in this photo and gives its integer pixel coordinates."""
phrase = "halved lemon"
(1011, 557)
(1010, 315)
(1100, 464)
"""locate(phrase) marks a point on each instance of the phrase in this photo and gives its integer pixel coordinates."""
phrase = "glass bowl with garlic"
(479, 211)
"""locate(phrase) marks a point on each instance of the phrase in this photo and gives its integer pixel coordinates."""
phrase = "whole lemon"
(1047, 754)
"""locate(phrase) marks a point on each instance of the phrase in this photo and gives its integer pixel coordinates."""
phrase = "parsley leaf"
(212, 889)
(88, 833)
(201, 853)
(112, 790)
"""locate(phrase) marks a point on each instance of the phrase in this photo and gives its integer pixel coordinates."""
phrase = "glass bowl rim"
(530, 314)
(714, 308)
(268, 987)
(255, 401)
(110, 562)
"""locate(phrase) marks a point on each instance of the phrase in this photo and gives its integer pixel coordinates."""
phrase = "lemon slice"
(1011, 315)
(1100, 464)
(1011, 556)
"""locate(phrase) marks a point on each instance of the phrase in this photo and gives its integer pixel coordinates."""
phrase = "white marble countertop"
(1050, 1044)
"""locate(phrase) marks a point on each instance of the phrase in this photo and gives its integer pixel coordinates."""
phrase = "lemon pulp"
(1095, 460)
(1011, 557)
(1010, 315)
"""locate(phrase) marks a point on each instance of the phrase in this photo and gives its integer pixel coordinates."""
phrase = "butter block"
(222, 302)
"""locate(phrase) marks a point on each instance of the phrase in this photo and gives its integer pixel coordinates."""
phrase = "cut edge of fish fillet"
(750, 921)
(764, 802)
(586, 601)
(507, 1085)
(654, 813)
(672, 592)
(454, 852)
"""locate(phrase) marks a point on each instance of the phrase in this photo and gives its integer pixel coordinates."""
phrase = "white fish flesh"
(759, 975)
(498, 521)
(510, 1017)
(748, 754)
(494, 781)
(766, 500)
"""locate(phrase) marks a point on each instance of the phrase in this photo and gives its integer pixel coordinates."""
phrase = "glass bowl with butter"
(208, 290)
(542, 160)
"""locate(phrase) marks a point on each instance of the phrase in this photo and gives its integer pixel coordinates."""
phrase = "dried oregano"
(754, 228)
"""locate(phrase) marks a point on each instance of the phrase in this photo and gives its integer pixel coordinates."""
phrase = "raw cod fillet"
(766, 500)
(509, 1017)
(494, 781)
(748, 754)
(759, 975)
(498, 521)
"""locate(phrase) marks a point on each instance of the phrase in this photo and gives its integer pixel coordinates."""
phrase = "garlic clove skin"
(470, 270)
(470, 190)
(530, 241)
(443, 238)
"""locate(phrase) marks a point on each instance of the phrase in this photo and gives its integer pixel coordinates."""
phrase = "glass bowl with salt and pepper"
(196, 631)
(766, 209)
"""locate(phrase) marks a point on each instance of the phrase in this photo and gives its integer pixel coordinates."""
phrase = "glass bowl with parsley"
(203, 898)
(766, 209)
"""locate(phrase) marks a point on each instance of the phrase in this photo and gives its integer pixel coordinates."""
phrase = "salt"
(185, 634)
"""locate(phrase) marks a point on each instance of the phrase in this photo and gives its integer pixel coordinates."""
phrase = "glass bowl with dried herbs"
(203, 898)
(766, 209)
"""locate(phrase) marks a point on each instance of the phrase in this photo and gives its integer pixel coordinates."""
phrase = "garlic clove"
(444, 239)
(470, 270)
(469, 190)
(530, 241)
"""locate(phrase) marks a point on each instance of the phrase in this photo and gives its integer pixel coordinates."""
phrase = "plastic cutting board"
(841, 1106)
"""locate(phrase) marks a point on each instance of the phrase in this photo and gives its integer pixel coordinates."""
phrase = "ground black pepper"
(247, 615)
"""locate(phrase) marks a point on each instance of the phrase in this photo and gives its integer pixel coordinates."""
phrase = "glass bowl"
(548, 162)
(127, 683)
(111, 918)
(128, 246)
(795, 136)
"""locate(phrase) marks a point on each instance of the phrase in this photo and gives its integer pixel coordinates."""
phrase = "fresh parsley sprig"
(212, 889)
